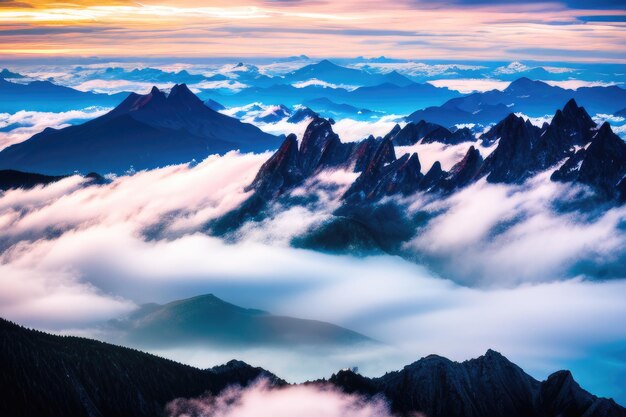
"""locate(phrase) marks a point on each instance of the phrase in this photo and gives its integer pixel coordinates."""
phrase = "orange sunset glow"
(430, 30)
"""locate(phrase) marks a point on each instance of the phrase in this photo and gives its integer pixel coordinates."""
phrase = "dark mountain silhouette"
(601, 165)
(414, 132)
(571, 146)
(10, 179)
(46, 96)
(142, 132)
(209, 321)
(488, 386)
(533, 98)
(319, 149)
(524, 149)
(45, 375)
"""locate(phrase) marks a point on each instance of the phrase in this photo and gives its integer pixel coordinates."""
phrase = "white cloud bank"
(24, 124)
(261, 400)
(73, 255)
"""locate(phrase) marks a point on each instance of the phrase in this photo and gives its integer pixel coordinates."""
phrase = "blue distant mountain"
(208, 320)
(386, 98)
(328, 108)
(332, 73)
(6, 74)
(533, 98)
(143, 132)
(46, 96)
(148, 75)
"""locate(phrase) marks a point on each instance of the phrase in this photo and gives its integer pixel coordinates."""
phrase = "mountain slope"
(10, 179)
(142, 132)
(46, 375)
(49, 97)
(208, 320)
(488, 386)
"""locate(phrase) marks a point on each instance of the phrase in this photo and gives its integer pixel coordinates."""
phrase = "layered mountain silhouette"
(143, 132)
(49, 97)
(533, 98)
(45, 375)
(387, 97)
(153, 75)
(209, 321)
(572, 147)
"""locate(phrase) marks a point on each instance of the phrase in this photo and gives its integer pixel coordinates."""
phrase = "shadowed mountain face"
(10, 179)
(206, 320)
(45, 375)
(571, 147)
(489, 386)
(143, 132)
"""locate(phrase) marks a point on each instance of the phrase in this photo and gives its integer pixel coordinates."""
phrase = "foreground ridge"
(47, 375)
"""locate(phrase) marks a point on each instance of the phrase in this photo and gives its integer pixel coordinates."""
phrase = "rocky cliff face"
(601, 165)
(489, 386)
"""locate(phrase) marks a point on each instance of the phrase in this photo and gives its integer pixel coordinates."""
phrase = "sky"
(570, 30)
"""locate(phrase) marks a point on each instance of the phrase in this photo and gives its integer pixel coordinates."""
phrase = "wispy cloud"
(503, 31)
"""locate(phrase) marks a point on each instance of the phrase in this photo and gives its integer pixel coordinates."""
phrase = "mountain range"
(572, 147)
(209, 321)
(143, 132)
(533, 98)
(387, 98)
(45, 375)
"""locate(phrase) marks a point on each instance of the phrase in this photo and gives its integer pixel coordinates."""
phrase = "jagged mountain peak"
(181, 90)
(394, 131)
(317, 138)
(155, 91)
(574, 119)
(280, 171)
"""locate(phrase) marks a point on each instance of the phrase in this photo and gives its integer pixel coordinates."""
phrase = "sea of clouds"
(497, 267)
(74, 255)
